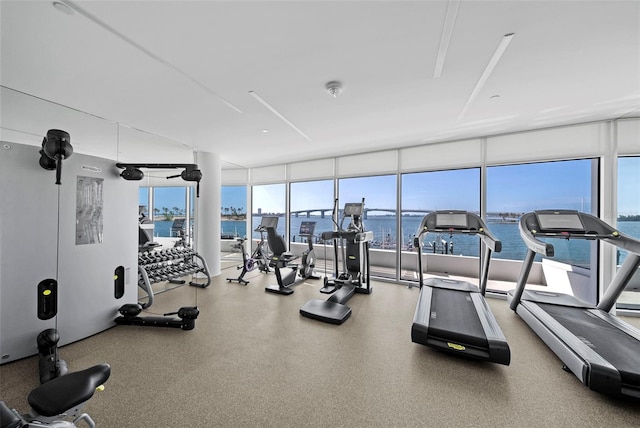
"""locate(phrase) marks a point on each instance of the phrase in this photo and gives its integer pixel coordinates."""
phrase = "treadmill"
(453, 315)
(598, 348)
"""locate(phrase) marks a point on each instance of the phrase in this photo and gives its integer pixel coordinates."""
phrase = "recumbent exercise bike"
(281, 259)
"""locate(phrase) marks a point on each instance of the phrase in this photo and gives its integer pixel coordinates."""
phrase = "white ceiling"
(184, 70)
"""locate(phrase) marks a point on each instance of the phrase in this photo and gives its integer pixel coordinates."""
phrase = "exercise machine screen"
(307, 228)
(268, 222)
(451, 220)
(560, 221)
(352, 209)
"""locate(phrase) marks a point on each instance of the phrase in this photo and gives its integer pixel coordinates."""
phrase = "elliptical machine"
(353, 242)
(261, 253)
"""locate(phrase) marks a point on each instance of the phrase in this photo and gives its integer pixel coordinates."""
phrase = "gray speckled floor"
(252, 360)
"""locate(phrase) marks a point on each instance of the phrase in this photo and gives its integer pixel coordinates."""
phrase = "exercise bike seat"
(65, 392)
(281, 257)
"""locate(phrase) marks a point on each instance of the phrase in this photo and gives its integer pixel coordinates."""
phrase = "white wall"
(33, 211)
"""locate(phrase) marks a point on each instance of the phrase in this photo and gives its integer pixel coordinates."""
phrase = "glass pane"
(143, 203)
(311, 201)
(380, 217)
(437, 190)
(268, 200)
(234, 212)
(192, 206)
(513, 190)
(169, 210)
(629, 222)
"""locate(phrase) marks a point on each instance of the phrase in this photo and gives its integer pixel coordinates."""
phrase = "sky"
(629, 185)
(513, 188)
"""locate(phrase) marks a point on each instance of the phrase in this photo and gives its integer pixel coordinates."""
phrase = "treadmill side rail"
(617, 322)
(499, 351)
(420, 327)
(586, 364)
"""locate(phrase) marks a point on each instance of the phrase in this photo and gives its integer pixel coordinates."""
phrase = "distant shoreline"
(239, 217)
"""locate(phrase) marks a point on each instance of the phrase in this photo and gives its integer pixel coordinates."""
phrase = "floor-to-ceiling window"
(379, 193)
(233, 215)
(268, 200)
(513, 190)
(169, 211)
(425, 192)
(310, 201)
(143, 203)
(629, 221)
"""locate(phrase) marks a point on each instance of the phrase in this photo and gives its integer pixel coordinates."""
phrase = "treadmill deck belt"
(454, 317)
(614, 345)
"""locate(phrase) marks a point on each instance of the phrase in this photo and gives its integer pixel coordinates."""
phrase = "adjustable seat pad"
(65, 392)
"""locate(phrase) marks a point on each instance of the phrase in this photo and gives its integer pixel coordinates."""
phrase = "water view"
(576, 252)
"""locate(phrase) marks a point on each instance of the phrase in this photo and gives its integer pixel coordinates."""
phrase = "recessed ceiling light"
(278, 114)
(265, 131)
(62, 7)
(494, 97)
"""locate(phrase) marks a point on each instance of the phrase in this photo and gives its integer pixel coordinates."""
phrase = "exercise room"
(319, 213)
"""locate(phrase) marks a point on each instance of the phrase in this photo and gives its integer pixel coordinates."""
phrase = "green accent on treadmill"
(456, 346)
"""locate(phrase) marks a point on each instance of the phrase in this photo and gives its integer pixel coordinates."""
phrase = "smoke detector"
(334, 88)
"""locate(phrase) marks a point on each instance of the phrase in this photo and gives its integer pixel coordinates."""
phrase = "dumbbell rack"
(169, 265)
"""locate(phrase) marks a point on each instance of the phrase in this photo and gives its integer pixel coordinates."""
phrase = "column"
(207, 221)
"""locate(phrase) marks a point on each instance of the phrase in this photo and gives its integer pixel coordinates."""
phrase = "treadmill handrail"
(474, 226)
(480, 228)
(594, 229)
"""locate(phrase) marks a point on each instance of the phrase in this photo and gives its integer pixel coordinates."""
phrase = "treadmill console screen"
(560, 221)
(352, 208)
(269, 222)
(452, 220)
(307, 228)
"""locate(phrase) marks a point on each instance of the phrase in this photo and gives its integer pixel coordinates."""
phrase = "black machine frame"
(355, 277)
(601, 350)
(281, 259)
(453, 315)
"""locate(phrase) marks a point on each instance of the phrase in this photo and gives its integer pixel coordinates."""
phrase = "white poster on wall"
(89, 208)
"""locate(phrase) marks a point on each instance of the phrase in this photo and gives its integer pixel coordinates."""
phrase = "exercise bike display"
(58, 399)
(260, 256)
(353, 242)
